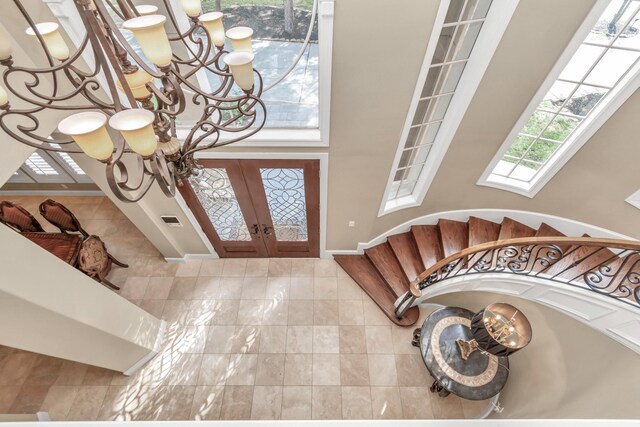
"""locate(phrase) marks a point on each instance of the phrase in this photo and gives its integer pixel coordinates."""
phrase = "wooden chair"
(18, 218)
(58, 215)
(95, 261)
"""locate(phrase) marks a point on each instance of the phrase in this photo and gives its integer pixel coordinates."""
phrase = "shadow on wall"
(568, 371)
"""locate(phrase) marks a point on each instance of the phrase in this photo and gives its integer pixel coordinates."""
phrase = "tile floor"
(246, 339)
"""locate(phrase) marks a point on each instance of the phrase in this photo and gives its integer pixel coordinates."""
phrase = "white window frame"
(601, 113)
(634, 199)
(494, 26)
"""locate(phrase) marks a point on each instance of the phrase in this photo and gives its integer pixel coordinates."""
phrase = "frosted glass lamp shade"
(52, 39)
(88, 131)
(5, 46)
(240, 38)
(4, 99)
(192, 8)
(152, 38)
(241, 65)
(212, 22)
(137, 83)
(135, 127)
(146, 9)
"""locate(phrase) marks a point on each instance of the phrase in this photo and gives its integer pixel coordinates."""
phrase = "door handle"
(266, 230)
(255, 230)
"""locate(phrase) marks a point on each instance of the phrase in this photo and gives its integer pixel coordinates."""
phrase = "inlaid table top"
(479, 377)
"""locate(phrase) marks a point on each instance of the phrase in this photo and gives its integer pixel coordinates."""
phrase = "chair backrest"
(93, 257)
(18, 218)
(58, 215)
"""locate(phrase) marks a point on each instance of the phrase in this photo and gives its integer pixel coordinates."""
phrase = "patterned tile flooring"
(246, 339)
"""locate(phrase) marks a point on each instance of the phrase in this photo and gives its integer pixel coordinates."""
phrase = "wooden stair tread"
(407, 254)
(512, 229)
(384, 260)
(427, 238)
(564, 269)
(453, 236)
(619, 268)
(482, 231)
(545, 230)
(360, 269)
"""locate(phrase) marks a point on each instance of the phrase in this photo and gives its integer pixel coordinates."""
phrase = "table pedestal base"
(416, 338)
(436, 387)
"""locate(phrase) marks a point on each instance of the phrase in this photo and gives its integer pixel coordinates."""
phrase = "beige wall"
(568, 370)
(55, 309)
(365, 135)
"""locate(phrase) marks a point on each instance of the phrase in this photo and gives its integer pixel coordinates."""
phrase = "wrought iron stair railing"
(608, 267)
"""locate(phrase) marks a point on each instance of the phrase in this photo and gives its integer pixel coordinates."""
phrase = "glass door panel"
(284, 188)
(218, 199)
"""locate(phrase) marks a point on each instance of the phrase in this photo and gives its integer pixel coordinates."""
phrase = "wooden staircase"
(385, 271)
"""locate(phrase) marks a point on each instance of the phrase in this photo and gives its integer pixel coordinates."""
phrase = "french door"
(258, 208)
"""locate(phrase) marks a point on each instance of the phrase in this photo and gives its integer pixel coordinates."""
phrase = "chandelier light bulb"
(137, 82)
(88, 131)
(151, 36)
(52, 39)
(4, 99)
(5, 45)
(192, 8)
(241, 65)
(212, 22)
(135, 127)
(146, 9)
(240, 39)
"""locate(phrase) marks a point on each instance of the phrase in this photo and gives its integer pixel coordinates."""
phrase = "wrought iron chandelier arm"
(193, 144)
(44, 142)
(42, 101)
(117, 187)
(164, 174)
(115, 10)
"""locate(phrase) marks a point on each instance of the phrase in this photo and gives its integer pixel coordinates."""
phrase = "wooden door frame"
(324, 183)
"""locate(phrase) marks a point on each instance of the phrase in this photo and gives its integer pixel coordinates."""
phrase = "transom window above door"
(285, 42)
(292, 42)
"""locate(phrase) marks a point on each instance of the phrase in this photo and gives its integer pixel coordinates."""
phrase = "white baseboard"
(190, 257)
(156, 349)
(43, 416)
(331, 253)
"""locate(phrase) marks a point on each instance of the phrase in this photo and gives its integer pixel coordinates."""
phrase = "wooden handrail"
(532, 241)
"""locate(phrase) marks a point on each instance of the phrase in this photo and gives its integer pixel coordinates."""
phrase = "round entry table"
(480, 377)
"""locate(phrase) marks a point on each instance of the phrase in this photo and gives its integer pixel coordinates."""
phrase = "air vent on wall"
(171, 220)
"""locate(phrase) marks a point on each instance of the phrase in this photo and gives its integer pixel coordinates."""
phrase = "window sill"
(512, 185)
(273, 138)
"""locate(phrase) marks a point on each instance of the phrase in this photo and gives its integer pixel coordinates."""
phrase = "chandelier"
(122, 104)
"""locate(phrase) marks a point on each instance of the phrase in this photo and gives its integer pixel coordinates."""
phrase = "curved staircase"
(406, 262)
